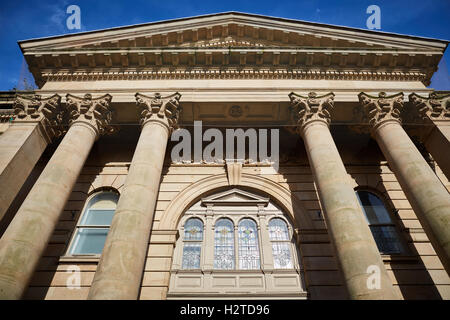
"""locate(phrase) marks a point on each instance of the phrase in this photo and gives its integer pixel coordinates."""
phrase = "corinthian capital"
(433, 107)
(45, 111)
(96, 112)
(311, 108)
(158, 107)
(382, 108)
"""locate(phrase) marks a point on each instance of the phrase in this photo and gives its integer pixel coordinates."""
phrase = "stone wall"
(420, 275)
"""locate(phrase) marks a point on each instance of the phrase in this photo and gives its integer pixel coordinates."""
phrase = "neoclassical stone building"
(356, 204)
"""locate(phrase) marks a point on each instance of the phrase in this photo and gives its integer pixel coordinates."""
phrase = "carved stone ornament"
(433, 107)
(382, 108)
(96, 112)
(311, 108)
(46, 111)
(158, 107)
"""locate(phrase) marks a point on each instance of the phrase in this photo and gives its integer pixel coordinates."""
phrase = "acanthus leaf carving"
(46, 111)
(434, 107)
(164, 108)
(311, 108)
(95, 111)
(382, 108)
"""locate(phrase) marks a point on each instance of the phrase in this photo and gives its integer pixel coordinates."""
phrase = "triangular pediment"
(235, 197)
(227, 43)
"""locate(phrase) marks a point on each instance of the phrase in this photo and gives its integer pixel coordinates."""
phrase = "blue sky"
(26, 19)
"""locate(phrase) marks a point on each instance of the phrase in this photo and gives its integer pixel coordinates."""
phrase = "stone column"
(27, 236)
(435, 112)
(429, 198)
(121, 266)
(37, 122)
(355, 248)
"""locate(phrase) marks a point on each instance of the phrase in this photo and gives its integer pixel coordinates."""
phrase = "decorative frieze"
(167, 107)
(95, 111)
(311, 108)
(45, 111)
(246, 72)
(382, 108)
(434, 107)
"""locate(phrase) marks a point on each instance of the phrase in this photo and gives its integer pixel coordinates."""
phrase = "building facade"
(229, 156)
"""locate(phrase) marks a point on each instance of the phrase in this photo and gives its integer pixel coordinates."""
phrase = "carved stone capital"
(433, 108)
(159, 108)
(382, 108)
(95, 112)
(46, 111)
(311, 108)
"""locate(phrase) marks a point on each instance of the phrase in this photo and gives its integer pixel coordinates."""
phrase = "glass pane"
(278, 229)
(387, 239)
(89, 241)
(224, 244)
(373, 208)
(193, 230)
(248, 245)
(281, 255)
(95, 217)
(104, 200)
(191, 255)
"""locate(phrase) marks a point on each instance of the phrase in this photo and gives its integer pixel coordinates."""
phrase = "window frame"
(82, 214)
(394, 222)
(202, 242)
(288, 241)
(211, 216)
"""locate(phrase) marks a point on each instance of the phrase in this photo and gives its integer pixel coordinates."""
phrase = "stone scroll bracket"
(234, 173)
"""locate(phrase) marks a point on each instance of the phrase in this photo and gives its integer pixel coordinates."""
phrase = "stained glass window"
(193, 237)
(224, 244)
(248, 245)
(93, 227)
(281, 247)
(380, 223)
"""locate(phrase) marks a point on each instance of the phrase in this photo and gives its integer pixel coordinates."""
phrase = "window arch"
(192, 246)
(383, 228)
(93, 225)
(231, 250)
(281, 248)
(248, 245)
(224, 244)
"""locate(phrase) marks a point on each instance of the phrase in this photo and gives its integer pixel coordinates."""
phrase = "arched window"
(93, 226)
(248, 245)
(281, 248)
(224, 244)
(380, 223)
(192, 247)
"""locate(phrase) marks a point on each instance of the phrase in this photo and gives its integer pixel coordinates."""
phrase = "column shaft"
(427, 195)
(354, 245)
(120, 270)
(28, 234)
(21, 146)
(438, 144)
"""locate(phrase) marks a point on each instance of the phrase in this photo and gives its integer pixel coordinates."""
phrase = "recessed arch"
(281, 196)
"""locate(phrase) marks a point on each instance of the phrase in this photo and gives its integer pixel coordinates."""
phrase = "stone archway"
(288, 201)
